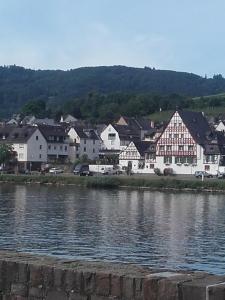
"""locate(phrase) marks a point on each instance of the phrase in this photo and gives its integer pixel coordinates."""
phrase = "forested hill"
(19, 85)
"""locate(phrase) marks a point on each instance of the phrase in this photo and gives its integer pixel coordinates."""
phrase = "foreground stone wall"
(24, 276)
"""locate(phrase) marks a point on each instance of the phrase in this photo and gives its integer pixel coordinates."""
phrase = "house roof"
(197, 125)
(48, 131)
(14, 135)
(137, 123)
(84, 133)
(143, 147)
(126, 132)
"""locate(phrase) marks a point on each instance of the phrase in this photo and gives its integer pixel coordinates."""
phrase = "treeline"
(105, 108)
(58, 88)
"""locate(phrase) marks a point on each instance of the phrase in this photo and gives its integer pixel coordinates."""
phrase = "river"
(155, 229)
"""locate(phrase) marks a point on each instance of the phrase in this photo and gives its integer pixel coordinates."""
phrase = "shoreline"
(153, 184)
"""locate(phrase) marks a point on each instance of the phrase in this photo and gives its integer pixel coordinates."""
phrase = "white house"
(138, 156)
(118, 137)
(57, 143)
(83, 142)
(220, 126)
(28, 142)
(188, 144)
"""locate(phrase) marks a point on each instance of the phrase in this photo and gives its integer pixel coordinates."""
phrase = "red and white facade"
(177, 149)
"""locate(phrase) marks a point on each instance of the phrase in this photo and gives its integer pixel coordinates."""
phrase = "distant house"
(12, 122)
(57, 143)
(220, 126)
(28, 142)
(139, 125)
(118, 137)
(83, 142)
(189, 144)
(68, 119)
(137, 157)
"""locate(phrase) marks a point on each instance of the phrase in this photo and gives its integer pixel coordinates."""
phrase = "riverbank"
(152, 183)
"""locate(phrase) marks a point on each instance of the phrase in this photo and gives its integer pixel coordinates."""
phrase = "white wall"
(37, 147)
(110, 144)
(89, 147)
(189, 169)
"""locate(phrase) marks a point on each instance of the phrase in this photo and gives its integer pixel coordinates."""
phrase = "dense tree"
(19, 86)
(7, 154)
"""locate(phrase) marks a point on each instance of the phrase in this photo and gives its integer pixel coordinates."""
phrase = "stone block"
(88, 283)
(138, 288)
(72, 281)
(75, 296)
(36, 292)
(216, 292)
(19, 289)
(59, 275)
(48, 277)
(56, 295)
(36, 275)
(196, 289)
(128, 288)
(23, 273)
(116, 286)
(102, 284)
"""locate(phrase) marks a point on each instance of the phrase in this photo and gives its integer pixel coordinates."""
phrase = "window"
(93, 150)
(180, 124)
(190, 147)
(167, 159)
(61, 147)
(93, 142)
(175, 124)
(20, 155)
(40, 147)
(161, 148)
(176, 136)
(39, 155)
(152, 166)
(65, 148)
(182, 136)
(49, 147)
(77, 155)
(170, 135)
(55, 147)
(21, 146)
(141, 165)
(180, 147)
(85, 141)
(84, 149)
(77, 148)
(111, 136)
(169, 147)
(36, 137)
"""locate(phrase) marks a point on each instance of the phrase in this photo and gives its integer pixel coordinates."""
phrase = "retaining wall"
(24, 276)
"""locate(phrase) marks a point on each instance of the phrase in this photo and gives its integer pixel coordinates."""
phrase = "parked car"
(199, 174)
(55, 171)
(220, 175)
(82, 170)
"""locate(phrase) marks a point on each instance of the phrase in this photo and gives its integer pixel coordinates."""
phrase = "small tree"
(7, 155)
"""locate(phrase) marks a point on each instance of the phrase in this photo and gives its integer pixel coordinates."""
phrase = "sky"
(181, 35)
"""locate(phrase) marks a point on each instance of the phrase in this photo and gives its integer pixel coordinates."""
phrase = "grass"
(155, 183)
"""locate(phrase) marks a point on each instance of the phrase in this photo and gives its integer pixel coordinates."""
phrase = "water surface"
(156, 229)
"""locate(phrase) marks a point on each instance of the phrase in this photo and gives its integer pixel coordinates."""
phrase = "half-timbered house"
(188, 144)
(138, 156)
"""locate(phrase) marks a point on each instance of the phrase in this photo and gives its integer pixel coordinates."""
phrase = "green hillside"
(55, 87)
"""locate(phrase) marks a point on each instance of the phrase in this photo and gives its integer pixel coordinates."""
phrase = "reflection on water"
(162, 230)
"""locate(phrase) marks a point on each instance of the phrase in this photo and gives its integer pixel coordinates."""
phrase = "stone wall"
(24, 276)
